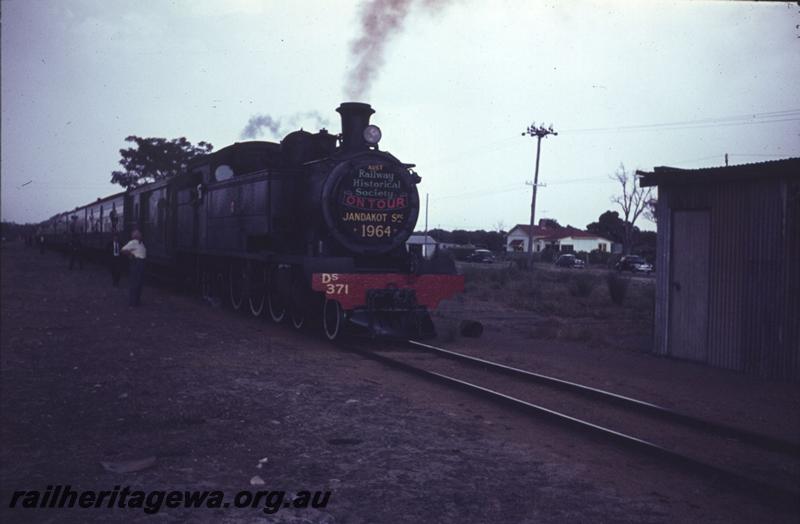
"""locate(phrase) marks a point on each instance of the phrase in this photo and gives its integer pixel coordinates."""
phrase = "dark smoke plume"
(381, 20)
(259, 122)
(259, 125)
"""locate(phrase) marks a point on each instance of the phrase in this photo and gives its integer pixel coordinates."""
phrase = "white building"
(425, 245)
(547, 233)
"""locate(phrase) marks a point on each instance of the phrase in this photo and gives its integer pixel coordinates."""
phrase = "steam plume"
(260, 125)
(381, 20)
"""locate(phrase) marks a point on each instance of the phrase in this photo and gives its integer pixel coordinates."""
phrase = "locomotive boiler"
(311, 230)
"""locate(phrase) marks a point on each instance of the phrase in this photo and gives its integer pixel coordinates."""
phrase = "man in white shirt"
(138, 253)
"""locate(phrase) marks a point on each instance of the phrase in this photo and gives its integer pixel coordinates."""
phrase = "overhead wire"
(766, 117)
(787, 115)
(484, 192)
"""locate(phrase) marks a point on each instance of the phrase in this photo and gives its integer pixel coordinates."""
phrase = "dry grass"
(579, 305)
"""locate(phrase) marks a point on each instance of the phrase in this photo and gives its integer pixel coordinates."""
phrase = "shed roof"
(421, 239)
(673, 175)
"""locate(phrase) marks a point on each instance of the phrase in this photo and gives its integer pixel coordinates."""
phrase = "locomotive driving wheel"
(332, 319)
(212, 286)
(238, 284)
(275, 302)
(297, 303)
(298, 320)
(258, 290)
(205, 284)
(218, 292)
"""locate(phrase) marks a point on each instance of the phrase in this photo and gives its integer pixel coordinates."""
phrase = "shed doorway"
(689, 276)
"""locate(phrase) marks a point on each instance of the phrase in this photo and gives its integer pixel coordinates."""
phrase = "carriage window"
(113, 217)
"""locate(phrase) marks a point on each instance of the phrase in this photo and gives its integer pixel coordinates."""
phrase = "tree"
(609, 225)
(650, 210)
(549, 222)
(461, 236)
(155, 159)
(632, 201)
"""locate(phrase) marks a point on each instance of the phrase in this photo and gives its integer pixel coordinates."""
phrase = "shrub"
(617, 287)
(524, 291)
(599, 257)
(498, 277)
(582, 285)
(548, 254)
(562, 275)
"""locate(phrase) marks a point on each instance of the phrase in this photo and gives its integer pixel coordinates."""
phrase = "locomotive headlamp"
(372, 134)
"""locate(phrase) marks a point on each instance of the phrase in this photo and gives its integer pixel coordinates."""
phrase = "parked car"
(482, 256)
(570, 261)
(634, 264)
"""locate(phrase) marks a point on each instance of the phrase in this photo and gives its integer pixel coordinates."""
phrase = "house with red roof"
(560, 238)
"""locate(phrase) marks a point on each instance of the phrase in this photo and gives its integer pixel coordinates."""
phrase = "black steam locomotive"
(311, 229)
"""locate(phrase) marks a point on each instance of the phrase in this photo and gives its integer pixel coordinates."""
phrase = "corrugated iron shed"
(728, 259)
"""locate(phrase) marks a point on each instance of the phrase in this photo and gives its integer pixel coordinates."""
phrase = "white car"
(635, 264)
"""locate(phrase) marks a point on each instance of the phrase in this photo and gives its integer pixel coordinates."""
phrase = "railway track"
(763, 465)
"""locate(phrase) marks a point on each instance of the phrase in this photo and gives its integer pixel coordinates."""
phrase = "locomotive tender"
(311, 228)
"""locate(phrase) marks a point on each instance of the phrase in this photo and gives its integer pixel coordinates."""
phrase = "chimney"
(355, 117)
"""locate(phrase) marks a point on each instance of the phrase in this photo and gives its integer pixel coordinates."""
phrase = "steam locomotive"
(311, 229)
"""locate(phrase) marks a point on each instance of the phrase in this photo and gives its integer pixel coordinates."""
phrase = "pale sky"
(458, 86)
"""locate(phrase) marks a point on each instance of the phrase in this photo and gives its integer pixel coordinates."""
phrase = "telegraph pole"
(539, 132)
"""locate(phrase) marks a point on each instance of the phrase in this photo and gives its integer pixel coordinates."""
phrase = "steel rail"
(778, 494)
(765, 441)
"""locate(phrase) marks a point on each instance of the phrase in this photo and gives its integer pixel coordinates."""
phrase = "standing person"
(138, 253)
(41, 244)
(75, 251)
(115, 262)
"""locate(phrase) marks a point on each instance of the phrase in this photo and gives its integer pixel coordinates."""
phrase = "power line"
(787, 115)
(721, 157)
(485, 192)
(677, 128)
(490, 191)
(710, 120)
(481, 149)
(765, 117)
(593, 179)
(765, 155)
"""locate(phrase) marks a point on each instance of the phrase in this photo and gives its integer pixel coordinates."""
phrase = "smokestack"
(355, 118)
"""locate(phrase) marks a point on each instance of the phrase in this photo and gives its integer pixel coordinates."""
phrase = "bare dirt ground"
(208, 393)
(593, 341)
